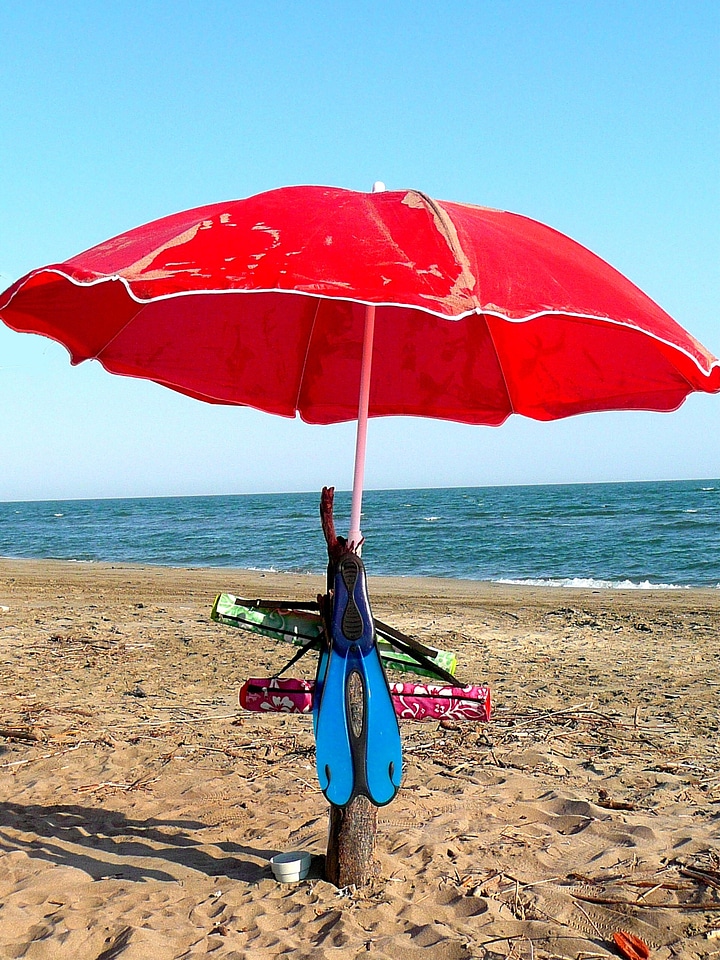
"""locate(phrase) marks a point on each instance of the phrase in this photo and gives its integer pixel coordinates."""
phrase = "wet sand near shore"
(140, 805)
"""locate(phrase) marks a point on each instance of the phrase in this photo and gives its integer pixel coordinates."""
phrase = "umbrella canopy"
(284, 301)
(261, 302)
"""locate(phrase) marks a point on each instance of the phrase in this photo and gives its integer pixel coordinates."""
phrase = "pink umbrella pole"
(354, 535)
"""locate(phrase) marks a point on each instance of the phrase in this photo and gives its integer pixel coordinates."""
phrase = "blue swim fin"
(358, 750)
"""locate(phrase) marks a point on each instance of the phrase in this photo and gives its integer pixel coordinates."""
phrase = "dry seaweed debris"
(678, 885)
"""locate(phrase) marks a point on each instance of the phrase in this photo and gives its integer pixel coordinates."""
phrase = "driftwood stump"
(352, 830)
(350, 853)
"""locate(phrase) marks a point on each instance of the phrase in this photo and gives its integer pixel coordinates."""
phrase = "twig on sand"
(18, 733)
(44, 756)
(116, 945)
(580, 712)
(226, 751)
(710, 878)
(422, 747)
(590, 920)
(646, 893)
(515, 938)
(618, 902)
(608, 803)
(163, 723)
(138, 784)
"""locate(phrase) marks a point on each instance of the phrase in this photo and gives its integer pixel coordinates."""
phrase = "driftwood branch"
(336, 546)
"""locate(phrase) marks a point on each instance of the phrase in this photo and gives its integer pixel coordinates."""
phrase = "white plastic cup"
(290, 867)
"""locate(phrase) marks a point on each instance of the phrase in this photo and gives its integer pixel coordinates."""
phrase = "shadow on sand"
(107, 844)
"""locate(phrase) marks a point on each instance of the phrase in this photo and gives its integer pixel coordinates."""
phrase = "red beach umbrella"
(272, 301)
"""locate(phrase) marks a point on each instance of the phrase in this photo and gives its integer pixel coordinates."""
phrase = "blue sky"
(599, 118)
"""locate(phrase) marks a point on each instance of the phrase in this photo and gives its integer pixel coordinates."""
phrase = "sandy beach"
(140, 805)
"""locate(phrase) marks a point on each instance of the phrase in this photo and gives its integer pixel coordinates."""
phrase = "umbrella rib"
(98, 353)
(511, 405)
(301, 378)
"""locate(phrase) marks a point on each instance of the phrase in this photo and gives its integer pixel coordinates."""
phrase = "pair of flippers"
(356, 730)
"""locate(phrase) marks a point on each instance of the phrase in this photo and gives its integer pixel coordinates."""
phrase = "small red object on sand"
(631, 946)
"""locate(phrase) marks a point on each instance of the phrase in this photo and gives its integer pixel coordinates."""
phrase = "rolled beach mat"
(412, 701)
(304, 628)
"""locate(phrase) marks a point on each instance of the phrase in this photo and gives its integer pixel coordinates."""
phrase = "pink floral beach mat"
(412, 701)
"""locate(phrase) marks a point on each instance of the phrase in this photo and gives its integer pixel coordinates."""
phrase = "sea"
(602, 535)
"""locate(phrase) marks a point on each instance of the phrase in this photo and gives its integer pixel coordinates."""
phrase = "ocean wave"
(589, 583)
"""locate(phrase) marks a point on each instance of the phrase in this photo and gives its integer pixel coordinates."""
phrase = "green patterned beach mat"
(305, 628)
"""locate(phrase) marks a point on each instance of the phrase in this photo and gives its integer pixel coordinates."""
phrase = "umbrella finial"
(379, 187)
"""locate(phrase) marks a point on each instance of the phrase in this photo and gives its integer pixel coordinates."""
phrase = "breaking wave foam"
(589, 583)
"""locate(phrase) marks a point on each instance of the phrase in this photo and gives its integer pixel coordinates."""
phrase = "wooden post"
(351, 843)
(352, 830)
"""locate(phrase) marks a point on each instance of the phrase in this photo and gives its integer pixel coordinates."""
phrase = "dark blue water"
(641, 534)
